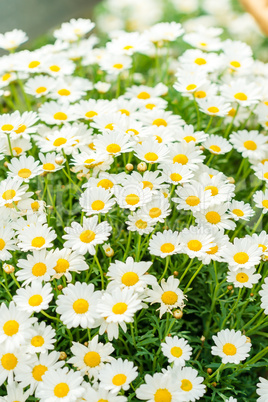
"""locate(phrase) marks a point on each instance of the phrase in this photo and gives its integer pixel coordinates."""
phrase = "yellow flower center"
(151, 156)
(169, 297)
(87, 236)
(11, 327)
(37, 341)
(162, 395)
(215, 148)
(190, 87)
(80, 306)
(241, 257)
(200, 94)
(242, 277)
(2, 244)
(132, 199)
(265, 203)
(39, 269)
(150, 106)
(265, 175)
(192, 200)
(38, 372)
(143, 95)
(34, 64)
(176, 351)
(113, 148)
(167, 248)
(189, 138)
(40, 90)
(48, 166)
(194, 245)
(200, 61)
(24, 173)
(119, 308)
(147, 184)
(240, 96)
(155, 212)
(18, 150)
(186, 385)
(124, 111)
(180, 158)
(64, 92)
(9, 361)
(232, 112)
(21, 129)
(7, 127)
(109, 126)
(105, 183)
(6, 76)
(119, 379)
(62, 265)
(130, 279)
(264, 248)
(60, 116)
(59, 141)
(229, 349)
(97, 205)
(213, 217)
(214, 190)
(92, 359)
(175, 177)
(238, 212)
(35, 300)
(235, 64)
(128, 47)
(38, 242)
(61, 390)
(159, 122)
(118, 66)
(91, 114)
(250, 145)
(213, 109)
(213, 250)
(54, 68)
(8, 194)
(140, 224)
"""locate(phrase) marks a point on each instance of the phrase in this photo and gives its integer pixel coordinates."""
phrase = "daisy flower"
(11, 190)
(36, 237)
(10, 122)
(204, 38)
(186, 154)
(217, 145)
(139, 222)
(261, 200)
(190, 384)
(240, 210)
(177, 350)
(262, 240)
(144, 92)
(168, 294)
(74, 29)
(26, 126)
(7, 243)
(67, 261)
(196, 241)
(49, 162)
(12, 361)
(91, 359)
(34, 298)
(58, 66)
(261, 171)
(117, 375)
(12, 39)
(88, 109)
(98, 394)
(15, 326)
(69, 90)
(114, 143)
(42, 338)
(215, 216)
(243, 277)
(37, 267)
(153, 180)
(219, 188)
(176, 173)
(55, 113)
(237, 55)
(207, 62)
(219, 243)
(160, 118)
(130, 274)
(83, 238)
(187, 133)
(33, 374)
(92, 162)
(214, 106)
(190, 82)
(15, 392)
(114, 64)
(132, 196)
(157, 209)
(264, 296)
(159, 387)
(251, 144)
(151, 151)
(96, 200)
(243, 253)
(240, 91)
(164, 31)
(164, 244)
(119, 306)
(40, 85)
(59, 384)
(262, 389)
(231, 346)
(24, 168)
(77, 305)
(191, 196)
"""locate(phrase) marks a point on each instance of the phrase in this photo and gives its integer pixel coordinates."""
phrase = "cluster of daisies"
(128, 160)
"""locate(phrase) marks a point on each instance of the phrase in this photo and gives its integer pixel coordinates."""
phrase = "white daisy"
(231, 346)
(34, 298)
(243, 277)
(37, 267)
(159, 387)
(264, 296)
(42, 339)
(164, 244)
(243, 253)
(177, 350)
(96, 200)
(36, 237)
(117, 375)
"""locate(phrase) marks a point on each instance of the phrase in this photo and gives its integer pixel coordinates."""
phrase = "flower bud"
(209, 370)
(59, 160)
(177, 314)
(231, 180)
(63, 356)
(109, 252)
(59, 287)
(142, 167)
(230, 287)
(8, 268)
(129, 167)
(175, 273)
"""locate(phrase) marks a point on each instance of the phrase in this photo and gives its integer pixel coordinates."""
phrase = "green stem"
(9, 144)
(192, 278)
(233, 308)
(166, 267)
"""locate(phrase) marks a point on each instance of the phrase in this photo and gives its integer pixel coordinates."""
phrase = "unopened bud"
(38, 192)
(59, 160)
(129, 167)
(202, 148)
(251, 294)
(175, 273)
(63, 356)
(59, 287)
(209, 370)
(214, 384)
(231, 180)
(8, 268)
(142, 167)
(109, 252)
(230, 287)
(7, 93)
(202, 339)
(43, 174)
(177, 314)
(6, 164)
(86, 344)
(248, 339)
(80, 176)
